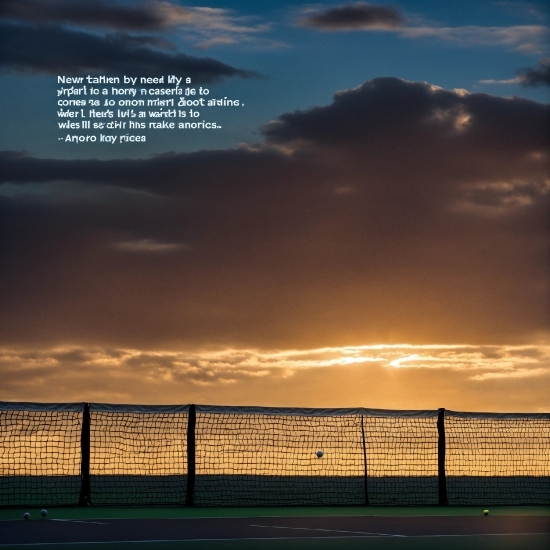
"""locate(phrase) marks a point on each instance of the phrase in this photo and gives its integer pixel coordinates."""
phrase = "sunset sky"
(370, 229)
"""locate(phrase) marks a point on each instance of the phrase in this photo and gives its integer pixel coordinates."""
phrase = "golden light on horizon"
(376, 375)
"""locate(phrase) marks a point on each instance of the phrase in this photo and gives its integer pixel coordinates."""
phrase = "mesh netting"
(263, 459)
(493, 460)
(139, 455)
(39, 457)
(402, 460)
(138, 458)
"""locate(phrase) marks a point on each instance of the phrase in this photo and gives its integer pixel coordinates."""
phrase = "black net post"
(365, 459)
(85, 457)
(192, 420)
(442, 482)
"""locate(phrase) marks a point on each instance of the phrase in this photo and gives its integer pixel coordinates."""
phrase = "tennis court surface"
(345, 528)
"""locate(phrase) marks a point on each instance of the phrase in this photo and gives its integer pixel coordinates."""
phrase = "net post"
(84, 498)
(365, 459)
(442, 481)
(191, 422)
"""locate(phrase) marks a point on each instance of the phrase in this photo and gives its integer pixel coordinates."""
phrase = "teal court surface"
(315, 528)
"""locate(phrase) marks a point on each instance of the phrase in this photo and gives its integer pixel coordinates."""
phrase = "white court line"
(157, 541)
(80, 521)
(327, 530)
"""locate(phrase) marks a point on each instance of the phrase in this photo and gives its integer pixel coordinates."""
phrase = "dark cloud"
(140, 16)
(440, 236)
(390, 111)
(352, 17)
(536, 76)
(56, 50)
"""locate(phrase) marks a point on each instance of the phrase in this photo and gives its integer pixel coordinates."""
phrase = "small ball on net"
(43, 512)
(26, 515)
(485, 512)
(319, 454)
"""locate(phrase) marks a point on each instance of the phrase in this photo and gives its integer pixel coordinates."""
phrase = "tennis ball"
(43, 512)
(26, 515)
(319, 454)
(485, 512)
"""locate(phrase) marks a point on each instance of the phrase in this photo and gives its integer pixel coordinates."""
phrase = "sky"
(368, 228)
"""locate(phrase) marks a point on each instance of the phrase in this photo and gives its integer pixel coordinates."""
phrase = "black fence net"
(262, 459)
(138, 457)
(40, 455)
(97, 454)
(502, 459)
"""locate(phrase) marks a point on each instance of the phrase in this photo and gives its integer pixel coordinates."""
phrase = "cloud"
(362, 16)
(524, 38)
(524, 9)
(400, 212)
(535, 76)
(528, 76)
(282, 377)
(352, 17)
(56, 50)
(375, 113)
(139, 16)
(217, 19)
(148, 246)
(212, 27)
(519, 373)
(515, 80)
(205, 27)
(478, 362)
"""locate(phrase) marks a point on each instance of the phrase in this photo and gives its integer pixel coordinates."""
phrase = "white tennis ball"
(43, 512)
(26, 515)
(319, 454)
